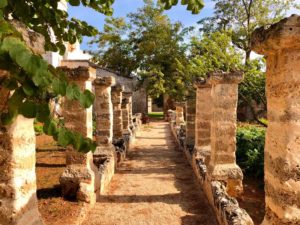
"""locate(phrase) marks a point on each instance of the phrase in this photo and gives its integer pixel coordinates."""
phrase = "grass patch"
(157, 115)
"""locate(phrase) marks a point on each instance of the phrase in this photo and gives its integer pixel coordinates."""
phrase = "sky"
(123, 7)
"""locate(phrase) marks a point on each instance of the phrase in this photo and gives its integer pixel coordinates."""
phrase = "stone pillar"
(78, 180)
(203, 120)
(222, 164)
(190, 122)
(149, 104)
(125, 116)
(103, 109)
(280, 44)
(128, 95)
(18, 200)
(116, 96)
(179, 115)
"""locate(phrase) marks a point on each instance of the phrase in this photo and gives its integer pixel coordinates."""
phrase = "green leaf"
(16, 99)
(74, 2)
(3, 3)
(43, 112)
(42, 78)
(86, 99)
(5, 27)
(28, 109)
(8, 118)
(59, 86)
(73, 92)
(64, 137)
(10, 84)
(50, 128)
(23, 58)
(28, 88)
(84, 145)
(76, 140)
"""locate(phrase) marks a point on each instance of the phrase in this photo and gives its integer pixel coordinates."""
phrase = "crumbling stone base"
(106, 170)
(120, 147)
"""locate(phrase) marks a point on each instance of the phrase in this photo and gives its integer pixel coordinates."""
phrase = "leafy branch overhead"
(193, 5)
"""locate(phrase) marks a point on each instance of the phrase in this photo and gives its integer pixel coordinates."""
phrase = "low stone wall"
(106, 167)
(226, 208)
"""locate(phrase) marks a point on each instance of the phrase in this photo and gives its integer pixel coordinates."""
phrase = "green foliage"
(156, 115)
(213, 52)
(33, 81)
(252, 89)
(149, 45)
(114, 49)
(38, 128)
(243, 17)
(193, 5)
(250, 150)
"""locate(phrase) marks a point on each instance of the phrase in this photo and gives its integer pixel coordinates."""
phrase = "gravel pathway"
(154, 186)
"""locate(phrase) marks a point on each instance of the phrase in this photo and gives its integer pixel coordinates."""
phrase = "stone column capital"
(282, 35)
(79, 74)
(127, 94)
(104, 81)
(117, 88)
(201, 83)
(225, 78)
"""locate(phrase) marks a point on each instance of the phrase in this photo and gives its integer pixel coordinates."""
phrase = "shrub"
(250, 150)
(38, 128)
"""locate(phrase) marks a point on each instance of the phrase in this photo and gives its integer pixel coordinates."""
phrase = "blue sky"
(123, 7)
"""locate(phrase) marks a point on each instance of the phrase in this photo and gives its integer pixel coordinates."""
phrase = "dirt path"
(154, 186)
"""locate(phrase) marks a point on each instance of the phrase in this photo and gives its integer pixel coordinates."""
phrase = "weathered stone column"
(190, 121)
(179, 115)
(203, 120)
(222, 164)
(117, 109)
(125, 116)
(103, 109)
(128, 95)
(18, 201)
(280, 43)
(149, 104)
(78, 180)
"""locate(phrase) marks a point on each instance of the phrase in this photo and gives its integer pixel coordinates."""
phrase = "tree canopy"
(243, 17)
(148, 45)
